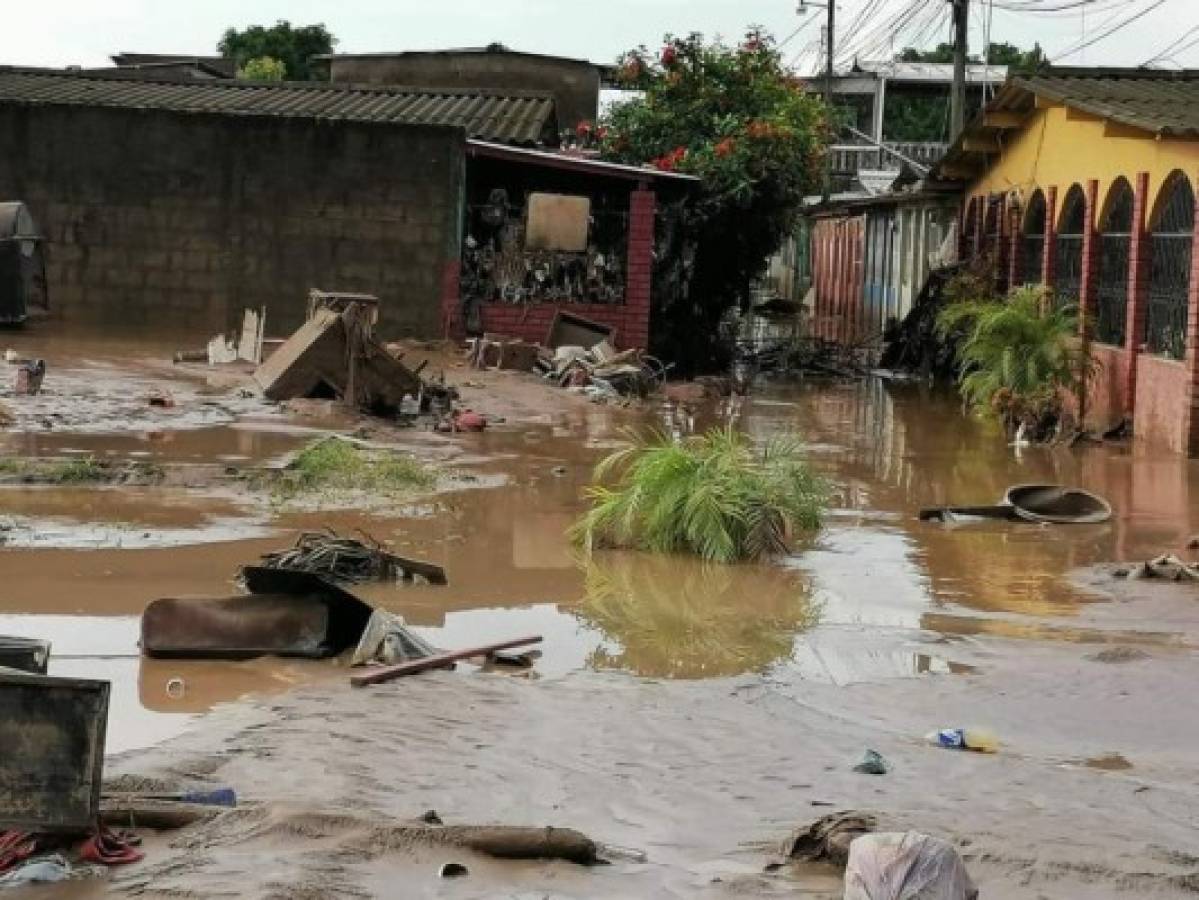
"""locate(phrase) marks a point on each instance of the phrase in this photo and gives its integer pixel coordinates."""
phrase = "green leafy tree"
(999, 54)
(293, 47)
(735, 117)
(263, 68)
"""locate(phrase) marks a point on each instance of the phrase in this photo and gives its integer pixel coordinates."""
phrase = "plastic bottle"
(977, 739)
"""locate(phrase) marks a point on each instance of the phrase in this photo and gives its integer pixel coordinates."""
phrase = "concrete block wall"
(177, 222)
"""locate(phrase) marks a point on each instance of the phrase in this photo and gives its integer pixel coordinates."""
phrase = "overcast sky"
(85, 32)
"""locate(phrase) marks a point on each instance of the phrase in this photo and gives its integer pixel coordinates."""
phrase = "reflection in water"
(677, 618)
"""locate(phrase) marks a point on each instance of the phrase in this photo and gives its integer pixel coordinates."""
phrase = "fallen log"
(164, 815)
(379, 674)
(519, 842)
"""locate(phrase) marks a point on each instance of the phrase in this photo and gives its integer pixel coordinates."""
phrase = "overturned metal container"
(51, 751)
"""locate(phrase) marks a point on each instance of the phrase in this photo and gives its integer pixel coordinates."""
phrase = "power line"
(1103, 35)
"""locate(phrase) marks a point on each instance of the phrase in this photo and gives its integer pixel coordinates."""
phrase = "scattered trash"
(334, 355)
(453, 870)
(827, 839)
(974, 739)
(494, 351)
(568, 329)
(285, 613)
(49, 869)
(109, 849)
(386, 640)
(1167, 567)
(1044, 503)
(161, 398)
(439, 661)
(559, 471)
(465, 420)
(176, 689)
(906, 866)
(24, 654)
(51, 751)
(351, 561)
(872, 764)
(30, 374)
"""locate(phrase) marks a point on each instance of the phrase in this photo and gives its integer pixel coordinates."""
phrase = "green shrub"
(714, 495)
(1017, 355)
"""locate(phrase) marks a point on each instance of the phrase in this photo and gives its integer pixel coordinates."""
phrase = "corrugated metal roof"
(1161, 102)
(526, 119)
(933, 73)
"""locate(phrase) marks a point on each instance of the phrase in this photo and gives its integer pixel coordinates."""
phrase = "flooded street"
(698, 712)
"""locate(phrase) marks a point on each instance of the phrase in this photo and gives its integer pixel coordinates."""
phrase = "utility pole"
(828, 95)
(961, 37)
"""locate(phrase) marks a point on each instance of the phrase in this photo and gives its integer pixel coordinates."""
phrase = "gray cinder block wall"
(178, 221)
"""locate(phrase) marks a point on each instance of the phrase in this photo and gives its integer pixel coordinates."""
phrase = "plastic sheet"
(907, 866)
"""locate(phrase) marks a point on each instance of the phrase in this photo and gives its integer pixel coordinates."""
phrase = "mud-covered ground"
(697, 714)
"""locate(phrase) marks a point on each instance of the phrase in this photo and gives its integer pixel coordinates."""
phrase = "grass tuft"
(332, 464)
(715, 495)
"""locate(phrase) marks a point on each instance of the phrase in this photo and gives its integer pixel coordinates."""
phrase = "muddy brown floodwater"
(695, 712)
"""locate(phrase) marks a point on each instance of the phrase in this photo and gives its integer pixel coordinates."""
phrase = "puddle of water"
(859, 602)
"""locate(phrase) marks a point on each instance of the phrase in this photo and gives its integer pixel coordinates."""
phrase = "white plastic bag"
(908, 866)
(387, 640)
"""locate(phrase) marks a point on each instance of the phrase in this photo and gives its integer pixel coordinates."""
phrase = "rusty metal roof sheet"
(525, 119)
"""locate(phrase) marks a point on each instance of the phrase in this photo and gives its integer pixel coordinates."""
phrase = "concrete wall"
(1107, 399)
(1162, 402)
(575, 84)
(179, 221)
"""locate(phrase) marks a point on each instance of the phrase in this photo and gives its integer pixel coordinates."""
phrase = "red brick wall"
(1138, 285)
(1107, 398)
(629, 320)
(1163, 394)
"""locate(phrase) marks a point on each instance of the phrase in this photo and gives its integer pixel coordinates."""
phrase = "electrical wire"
(1108, 32)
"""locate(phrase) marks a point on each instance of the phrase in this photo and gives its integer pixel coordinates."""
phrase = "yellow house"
(1084, 180)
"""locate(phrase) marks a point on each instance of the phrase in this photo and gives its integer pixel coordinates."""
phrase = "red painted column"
(1049, 251)
(639, 289)
(1138, 288)
(1090, 259)
(1192, 355)
(980, 224)
(1087, 283)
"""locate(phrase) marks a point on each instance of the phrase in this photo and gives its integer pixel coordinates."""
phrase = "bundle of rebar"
(349, 560)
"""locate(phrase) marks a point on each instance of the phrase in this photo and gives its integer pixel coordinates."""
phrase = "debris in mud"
(828, 839)
(380, 674)
(387, 640)
(51, 752)
(872, 763)
(285, 613)
(24, 654)
(335, 354)
(30, 374)
(906, 866)
(351, 561)
(452, 870)
(1119, 655)
(1042, 503)
(976, 739)
(1166, 567)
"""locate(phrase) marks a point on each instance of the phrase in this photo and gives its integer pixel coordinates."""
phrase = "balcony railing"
(851, 158)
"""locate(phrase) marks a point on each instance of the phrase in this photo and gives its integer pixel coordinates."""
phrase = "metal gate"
(1030, 263)
(1115, 243)
(1067, 279)
(1170, 272)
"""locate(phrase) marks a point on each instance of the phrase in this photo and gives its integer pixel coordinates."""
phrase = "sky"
(86, 32)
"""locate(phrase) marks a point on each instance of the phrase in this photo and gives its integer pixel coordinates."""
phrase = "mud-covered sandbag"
(907, 866)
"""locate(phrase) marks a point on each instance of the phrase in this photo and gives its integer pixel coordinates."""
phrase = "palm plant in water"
(1017, 357)
(715, 495)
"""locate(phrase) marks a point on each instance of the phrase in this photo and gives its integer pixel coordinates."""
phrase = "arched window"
(1115, 242)
(992, 248)
(1030, 265)
(1172, 233)
(1067, 276)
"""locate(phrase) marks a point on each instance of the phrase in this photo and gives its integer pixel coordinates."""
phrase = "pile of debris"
(578, 355)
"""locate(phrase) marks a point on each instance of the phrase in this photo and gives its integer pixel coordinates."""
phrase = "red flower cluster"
(669, 56)
(584, 129)
(726, 147)
(671, 160)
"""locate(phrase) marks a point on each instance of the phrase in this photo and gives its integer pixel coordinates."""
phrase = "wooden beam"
(980, 145)
(1077, 115)
(1046, 103)
(1004, 119)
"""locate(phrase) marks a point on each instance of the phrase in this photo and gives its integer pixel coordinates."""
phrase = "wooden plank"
(379, 674)
(1003, 119)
